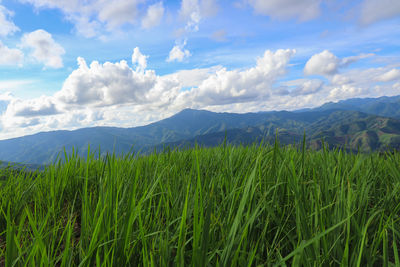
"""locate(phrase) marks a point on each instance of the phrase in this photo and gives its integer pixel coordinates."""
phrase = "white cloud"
(188, 7)
(25, 116)
(192, 11)
(376, 10)
(45, 49)
(139, 59)
(364, 78)
(327, 64)
(113, 84)
(153, 16)
(226, 87)
(92, 17)
(302, 10)
(391, 75)
(324, 63)
(396, 87)
(6, 25)
(14, 84)
(115, 93)
(86, 27)
(10, 56)
(5, 99)
(347, 91)
(361, 82)
(65, 5)
(117, 12)
(41, 106)
(178, 53)
(193, 77)
(303, 86)
(205, 8)
(349, 60)
(339, 79)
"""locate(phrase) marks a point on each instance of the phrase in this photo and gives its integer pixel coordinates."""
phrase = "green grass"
(224, 206)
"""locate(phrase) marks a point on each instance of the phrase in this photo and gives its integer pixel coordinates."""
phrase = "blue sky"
(69, 64)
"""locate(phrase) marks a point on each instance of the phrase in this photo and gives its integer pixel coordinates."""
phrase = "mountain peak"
(191, 112)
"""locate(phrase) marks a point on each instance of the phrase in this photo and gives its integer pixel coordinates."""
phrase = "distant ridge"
(369, 124)
(383, 106)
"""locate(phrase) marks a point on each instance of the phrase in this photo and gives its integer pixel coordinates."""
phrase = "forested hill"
(366, 124)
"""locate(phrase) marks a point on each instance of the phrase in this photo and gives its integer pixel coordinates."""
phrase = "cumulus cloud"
(91, 17)
(391, 75)
(358, 77)
(153, 16)
(178, 53)
(362, 82)
(6, 25)
(45, 49)
(139, 59)
(226, 87)
(303, 87)
(302, 10)
(193, 77)
(339, 79)
(324, 63)
(347, 91)
(10, 56)
(42, 106)
(376, 10)
(22, 116)
(327, 64)
(5, 99)
(112, 84)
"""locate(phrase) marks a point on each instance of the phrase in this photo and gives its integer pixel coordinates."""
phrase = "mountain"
(356, 130)
(383, 106)
(45, 147)
(342, 124)
(352, 130)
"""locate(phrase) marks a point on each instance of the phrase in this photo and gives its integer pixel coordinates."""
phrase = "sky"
(68, 64)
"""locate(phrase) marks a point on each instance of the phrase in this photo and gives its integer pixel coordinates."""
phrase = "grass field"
(224, 206)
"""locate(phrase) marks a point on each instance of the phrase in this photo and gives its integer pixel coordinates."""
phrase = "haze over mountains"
(367, 124)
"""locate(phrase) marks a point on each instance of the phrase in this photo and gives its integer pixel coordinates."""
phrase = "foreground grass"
(224, 206)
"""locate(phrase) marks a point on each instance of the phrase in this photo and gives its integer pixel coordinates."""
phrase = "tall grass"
(224, 206)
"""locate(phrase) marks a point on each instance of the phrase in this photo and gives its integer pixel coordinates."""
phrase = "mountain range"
(366, 124)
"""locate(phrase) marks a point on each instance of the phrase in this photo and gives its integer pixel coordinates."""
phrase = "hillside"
(345, 129)
(46, 146)
(334, 122)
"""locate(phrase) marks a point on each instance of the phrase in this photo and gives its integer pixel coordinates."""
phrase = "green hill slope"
(333, 122)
